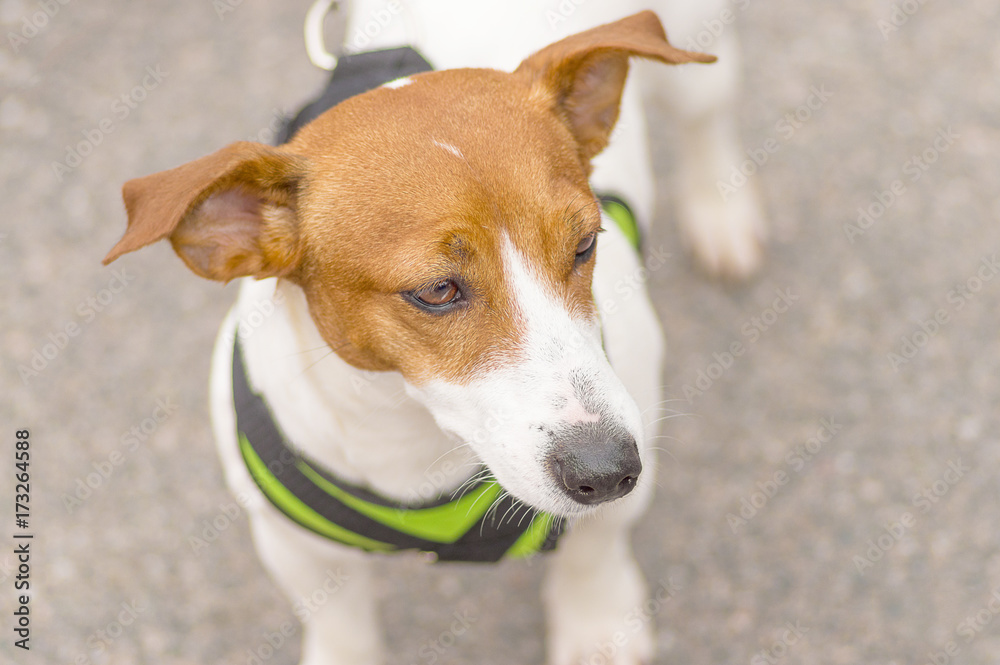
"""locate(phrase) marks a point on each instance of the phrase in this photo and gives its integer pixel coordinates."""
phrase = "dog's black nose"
(594, 464)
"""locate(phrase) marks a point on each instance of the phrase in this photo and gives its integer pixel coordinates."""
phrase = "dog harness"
(483, 524)
(472, 527)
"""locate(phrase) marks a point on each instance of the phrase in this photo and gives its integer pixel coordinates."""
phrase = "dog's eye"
(440, 295)
(586, 248)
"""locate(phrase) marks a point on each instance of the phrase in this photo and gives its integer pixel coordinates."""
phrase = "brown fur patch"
(397, 211)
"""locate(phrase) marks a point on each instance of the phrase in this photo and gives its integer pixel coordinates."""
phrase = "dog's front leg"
(592, 593)
(720, 214)
(331, 591)
(719, 210)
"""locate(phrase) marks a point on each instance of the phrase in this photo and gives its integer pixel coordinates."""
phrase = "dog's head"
(442, 226)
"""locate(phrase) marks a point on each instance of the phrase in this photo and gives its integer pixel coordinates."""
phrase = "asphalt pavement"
(828, 495)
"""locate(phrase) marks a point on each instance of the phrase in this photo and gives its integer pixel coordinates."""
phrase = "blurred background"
(829, 496)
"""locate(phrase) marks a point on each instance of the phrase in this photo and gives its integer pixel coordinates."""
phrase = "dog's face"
(443, 227)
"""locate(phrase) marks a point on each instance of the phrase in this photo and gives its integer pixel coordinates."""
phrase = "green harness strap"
(622, 215)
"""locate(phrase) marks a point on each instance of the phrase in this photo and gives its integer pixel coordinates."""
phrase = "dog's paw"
(621, 647)
(602, 617)
(726, 236)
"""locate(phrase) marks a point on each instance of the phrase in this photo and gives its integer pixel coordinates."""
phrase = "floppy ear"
(230, 214)
(584, 74)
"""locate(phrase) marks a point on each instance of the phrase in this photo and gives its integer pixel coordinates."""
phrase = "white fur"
(450, 148)
(532, 392)
(400, 439)
(398, 83)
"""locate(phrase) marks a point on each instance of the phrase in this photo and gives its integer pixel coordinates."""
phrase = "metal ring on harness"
(315, 44)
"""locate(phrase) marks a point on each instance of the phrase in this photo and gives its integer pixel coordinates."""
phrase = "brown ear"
(585, 73)
(230, 214)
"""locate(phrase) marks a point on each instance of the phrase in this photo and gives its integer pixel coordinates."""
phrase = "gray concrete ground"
(842, 542)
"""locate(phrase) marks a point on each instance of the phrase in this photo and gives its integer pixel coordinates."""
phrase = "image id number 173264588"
(22, 538)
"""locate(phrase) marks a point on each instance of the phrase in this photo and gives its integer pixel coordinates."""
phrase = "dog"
(426, 353)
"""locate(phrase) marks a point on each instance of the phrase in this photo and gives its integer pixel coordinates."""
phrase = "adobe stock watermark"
(431, 650)
(129, 442)
(211, 529)
(87, 310)
(784, 129)
(634, 282)
(910, 345)
(271, 643)
(913, 169)
(796, 461)
(248, 323)
(968, 629)
(35, 23)
(562, 12)
(269, 133)
(792, 634)
(120, 109)
(437, 482)
(635, 619)
(378, 20)
(974, 624)
(363, 379)
(893, 532)
(752, 331)
(928, 497)
(304, 608)
(223, 7)
(7, 569)
(712, 29)
(100, 641)
(898, 16)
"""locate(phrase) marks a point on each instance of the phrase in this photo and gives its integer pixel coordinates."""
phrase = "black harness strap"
(355, 74)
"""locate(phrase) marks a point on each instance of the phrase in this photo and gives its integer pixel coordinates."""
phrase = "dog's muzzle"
(593, 463)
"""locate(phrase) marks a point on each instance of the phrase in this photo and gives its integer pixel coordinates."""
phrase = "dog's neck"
(362, 426)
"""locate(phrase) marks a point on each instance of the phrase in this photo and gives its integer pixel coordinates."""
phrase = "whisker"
(660, 406)
(528, 511)
(667, 417)
(305, 351)
(666, 436)
(667, 452)
(470, 483)
(318, 361)
(496, 503)
(474, 505)
(670, 400)
(516, 506)
(465, 444)
(492, 508)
